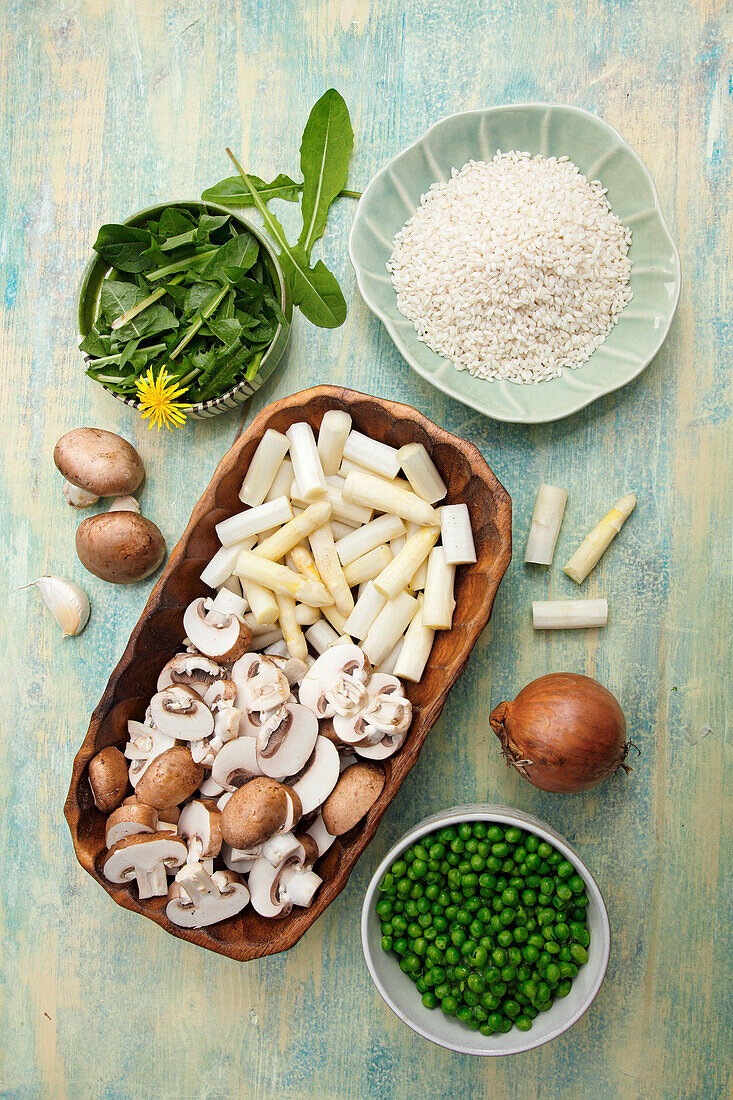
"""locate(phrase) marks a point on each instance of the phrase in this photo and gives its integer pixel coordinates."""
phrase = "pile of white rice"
(513, 269)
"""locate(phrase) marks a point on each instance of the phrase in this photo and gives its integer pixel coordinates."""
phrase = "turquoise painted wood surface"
(110, 106)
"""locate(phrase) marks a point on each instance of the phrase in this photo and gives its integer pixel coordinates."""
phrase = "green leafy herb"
(324, 161)
(231, 192)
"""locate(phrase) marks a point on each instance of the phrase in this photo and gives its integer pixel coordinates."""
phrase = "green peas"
(463, 917)
(479, 956)
(508, 974)
(505, 938)
(457, 846)
(529, 897)
(494, 1022)
(523, 1022)
(547, 887)
(552, 974)
(563, 989)
(465, 831)
(499, 989)
(492, 975)
(387, 943)
(440, 924)
(513, 835)
(530, 953)
(470, 882)
(477, 864)
(511, 1008)
(562, 932)
(475, 982)
(499, 957)
(429, 1000)
(579, 953)
(507, 916)
(544, 849)
(514, 955)
(449, 1005)
(509, 896)
(564, 892)
(576, 884)
(500, 850)
(461, 972)
(520, 935)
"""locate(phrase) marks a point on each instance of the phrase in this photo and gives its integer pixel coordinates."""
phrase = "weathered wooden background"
(108, 106)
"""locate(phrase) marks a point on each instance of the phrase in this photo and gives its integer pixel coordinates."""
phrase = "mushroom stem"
(151, 883)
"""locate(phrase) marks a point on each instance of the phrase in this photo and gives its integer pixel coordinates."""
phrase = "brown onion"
(563, 732)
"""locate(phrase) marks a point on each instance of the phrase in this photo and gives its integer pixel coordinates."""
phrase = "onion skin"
(564, 732)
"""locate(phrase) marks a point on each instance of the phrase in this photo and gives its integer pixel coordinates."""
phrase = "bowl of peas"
(485, 932)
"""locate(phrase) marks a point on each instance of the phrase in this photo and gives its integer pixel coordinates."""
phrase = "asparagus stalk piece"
(547, 515)
(568, 614)
(597, 541)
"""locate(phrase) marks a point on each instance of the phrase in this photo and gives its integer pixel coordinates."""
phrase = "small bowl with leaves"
(184, 301)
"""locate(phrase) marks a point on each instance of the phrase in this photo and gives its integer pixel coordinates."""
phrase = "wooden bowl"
(159, 633)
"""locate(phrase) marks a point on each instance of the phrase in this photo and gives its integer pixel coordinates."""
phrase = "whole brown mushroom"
(121, 547)
(108, 778)
(169, 779)
(358, 788)
(257, 811)
(99, 462)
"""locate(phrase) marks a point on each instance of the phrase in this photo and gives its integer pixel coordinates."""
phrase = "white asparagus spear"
(371, 454)
(221, 565)
(419, 577)
(547, 514)
(266, 460)
(367, 567)
(282, 481)
(597, 541)
(321, 636)
(456, 534)
(293, 532)
(389, 664)
(269, 637)
(439, 602)
(343, 510)
(262, 602)
(397, 575)
(280, 649)
(415, 651)
(293, 635)
(366, 609)
(341, 529)
(332, 435)
(347, 467)
(375, 492)
(366, 538)
(306, 616)
(421, 472)
(307, 467)
(397, 545)
(280, 579)
(253, 520)
(568, 614)
(389, 626)
(300, 560)
(329, 566)
(335, 618)
(231, 584)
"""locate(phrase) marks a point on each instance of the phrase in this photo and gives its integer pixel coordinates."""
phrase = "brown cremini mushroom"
(99, 462)
(358, 788)
(217, 634)
(170, 778)
(120, 547)
(108, 778)
(145, 858)
(257, 811)
(128, 819)
(197, 899)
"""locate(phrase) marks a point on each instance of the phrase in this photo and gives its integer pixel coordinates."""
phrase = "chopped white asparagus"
(398, 544)
(366, 609)
(270, 637)
(332, 435)
(306, 616)
(363, 539)
(221, 566)
(262, 602)
(367, 567)
(547, 514)
(389, 663)
(232, 584)
(397, 575)
(321, 636)
(568, 614)
(285, 538)
(419, 577)
(300, 560)
(414, 653)
(348, 467)
(279, 649)
(282, 481)
(439, 601)
(263, 467)
(335, 618)
(293, 635)
(375, 492)
(280, 579)
(307, 468)
(341, 529)
(597, 541)
(254, 520)
(226, 602)
(371, 454)
(343, 510)
(329, 566)
(389, 626)
(456, 534)
(421, 472)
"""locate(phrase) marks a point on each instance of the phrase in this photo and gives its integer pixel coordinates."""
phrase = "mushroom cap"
(319, 776)
(192, 669)
(255, 812)
(234, 762)
(261, 685)
(170, 778)
(120, 547)
(99, 462)
(127, 820)
(179, 711)
(108, 778)
(336, 682)
(358, 788)
(226, 897)
(225, 637)
(143, 851)
(202, 820)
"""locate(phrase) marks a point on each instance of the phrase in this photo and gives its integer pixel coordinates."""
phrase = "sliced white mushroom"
(210, 788)
(144, 744)
(200, 825)
(179, 711)
(274, 890)
(221, 695)
(216, 634)
(227, 603)
(388, 746)
(241, 860)
(320, 834)
(387, 714)
(147, 859)
(319, 776)
(127, 820)
(336, 682)
(293, 668)
(192, 669)
(261, 684)
(227, 722)
(286, 740)
(236, 763)
(197, 899)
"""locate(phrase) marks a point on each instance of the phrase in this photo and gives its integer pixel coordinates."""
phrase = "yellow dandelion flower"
(157, 400)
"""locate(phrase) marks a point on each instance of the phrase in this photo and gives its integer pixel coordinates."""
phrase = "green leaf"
(240, 252)
(231, 192)
(198, 295)
(324, 161)
(124, 247)
(183, 239)
(227, 329)
(210, 223)
(93, 344)
(174, 221)
(116, 297)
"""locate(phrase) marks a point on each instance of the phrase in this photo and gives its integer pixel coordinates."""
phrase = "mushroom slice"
(226, 728)
(200, 825)
(257, 811)
(180, 712)
(235, 763)
(274, 890)
(387, 713)
(192, 669)
(216, 634)
(336, 682)
(286, 740)
(146, 859)
(210, 788)
(241, 860)
(320, 834)
(388, 746)
(293, 668)
(357, 790)
(261, 685)
(145, 744)
(221, 694)
(197, 899)
(128, 820)
(319, 776)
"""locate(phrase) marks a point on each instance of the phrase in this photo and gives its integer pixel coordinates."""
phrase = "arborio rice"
(513, 269)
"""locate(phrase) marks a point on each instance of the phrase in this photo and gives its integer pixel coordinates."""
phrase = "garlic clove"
(67, 602)
(125, 504)
(77, 497)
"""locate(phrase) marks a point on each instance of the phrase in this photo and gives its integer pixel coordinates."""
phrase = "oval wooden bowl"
(159, 634)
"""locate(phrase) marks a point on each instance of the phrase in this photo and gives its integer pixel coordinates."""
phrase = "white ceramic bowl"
(400, 993)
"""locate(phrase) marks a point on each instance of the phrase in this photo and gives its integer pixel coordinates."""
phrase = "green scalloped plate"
(552, 130)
